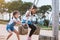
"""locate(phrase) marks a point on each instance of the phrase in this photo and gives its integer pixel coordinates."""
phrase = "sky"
(41, 2)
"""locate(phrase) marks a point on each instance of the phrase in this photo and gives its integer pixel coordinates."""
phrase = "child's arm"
(29, 11)
(17, 21)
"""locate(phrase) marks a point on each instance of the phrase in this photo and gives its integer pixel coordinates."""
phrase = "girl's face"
(17, 15)
(27, 15)
(34, 11)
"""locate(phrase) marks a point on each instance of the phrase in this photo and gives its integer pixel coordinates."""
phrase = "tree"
(45, 9)
(2, 7)
(18, 5)
(1, 1)
(14, 5)
(25, 6)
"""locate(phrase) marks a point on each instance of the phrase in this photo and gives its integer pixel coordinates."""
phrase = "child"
(27, 19)
(10, 26)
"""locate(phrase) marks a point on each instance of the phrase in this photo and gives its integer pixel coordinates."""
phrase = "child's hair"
(15, 12)
(34, 7)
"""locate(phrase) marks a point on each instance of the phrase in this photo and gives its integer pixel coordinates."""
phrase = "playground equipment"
(55, 18)
(23, 30)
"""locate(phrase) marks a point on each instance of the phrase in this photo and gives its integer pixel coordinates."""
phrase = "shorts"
(10, 28)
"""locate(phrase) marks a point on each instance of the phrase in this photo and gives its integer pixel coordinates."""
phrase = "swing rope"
(37, 2)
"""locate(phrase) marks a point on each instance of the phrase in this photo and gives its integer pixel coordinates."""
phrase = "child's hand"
(18, 22)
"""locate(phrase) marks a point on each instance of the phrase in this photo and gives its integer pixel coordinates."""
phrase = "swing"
(24, 30)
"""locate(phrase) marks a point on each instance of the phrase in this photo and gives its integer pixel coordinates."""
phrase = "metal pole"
(37, 2)
(55, 18)
(34, 2)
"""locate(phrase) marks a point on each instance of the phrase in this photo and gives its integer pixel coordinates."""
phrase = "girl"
(10, 26)
(27, 19)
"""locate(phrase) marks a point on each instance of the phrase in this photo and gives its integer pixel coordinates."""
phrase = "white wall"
(4, 16)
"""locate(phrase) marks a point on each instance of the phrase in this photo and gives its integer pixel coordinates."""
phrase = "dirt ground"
(4, 34)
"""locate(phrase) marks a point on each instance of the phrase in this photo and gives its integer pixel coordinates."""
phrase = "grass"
(3, 21)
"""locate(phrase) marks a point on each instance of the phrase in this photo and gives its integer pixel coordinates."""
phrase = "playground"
(48, 29)
(3, 34)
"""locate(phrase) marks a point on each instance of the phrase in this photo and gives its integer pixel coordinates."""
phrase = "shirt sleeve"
(36, 15)
(28, 12)
(18, 19)
(15, 20)
(12, 20)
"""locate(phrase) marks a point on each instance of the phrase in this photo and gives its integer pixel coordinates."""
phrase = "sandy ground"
(4, 34)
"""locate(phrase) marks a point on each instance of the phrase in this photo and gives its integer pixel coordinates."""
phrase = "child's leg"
(17, 33)
(10, 34)
(33, 28)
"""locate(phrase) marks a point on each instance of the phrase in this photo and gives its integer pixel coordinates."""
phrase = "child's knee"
(17, 33)
(11, 33)
(35, 28)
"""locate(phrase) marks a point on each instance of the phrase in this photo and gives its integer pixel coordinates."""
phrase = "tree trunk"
(9, 16)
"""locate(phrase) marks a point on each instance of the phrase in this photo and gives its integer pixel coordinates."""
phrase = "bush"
(46, 22)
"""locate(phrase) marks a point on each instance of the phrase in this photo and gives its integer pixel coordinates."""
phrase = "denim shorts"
(10, 28)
